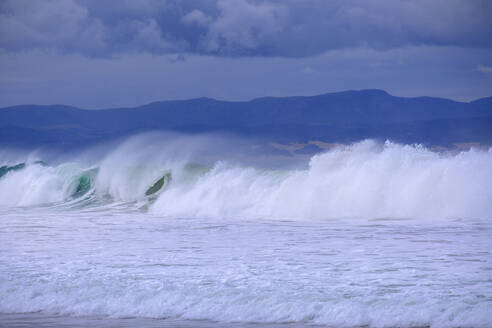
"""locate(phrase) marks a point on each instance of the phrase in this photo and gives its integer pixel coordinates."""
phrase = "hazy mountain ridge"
(335, 117)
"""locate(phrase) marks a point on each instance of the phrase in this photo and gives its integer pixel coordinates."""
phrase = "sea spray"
(366, 179)
(351, 273)
(369, 234)
(363, 180)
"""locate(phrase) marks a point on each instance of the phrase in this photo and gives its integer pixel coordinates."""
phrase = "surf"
(365, 179)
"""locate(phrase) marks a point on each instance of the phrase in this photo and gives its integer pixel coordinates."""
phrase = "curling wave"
(366, 179)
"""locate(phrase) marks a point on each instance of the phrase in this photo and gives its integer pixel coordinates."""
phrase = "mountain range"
(332, 117)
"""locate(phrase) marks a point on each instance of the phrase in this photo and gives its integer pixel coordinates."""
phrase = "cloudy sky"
(98, 54)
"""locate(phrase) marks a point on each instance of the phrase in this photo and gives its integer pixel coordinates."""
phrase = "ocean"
(364, 235)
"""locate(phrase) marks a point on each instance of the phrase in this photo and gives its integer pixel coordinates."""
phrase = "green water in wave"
(83, 186)
(6, 169)
(84, 182)
(164, 180)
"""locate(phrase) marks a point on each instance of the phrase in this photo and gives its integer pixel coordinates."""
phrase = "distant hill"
(333, 117)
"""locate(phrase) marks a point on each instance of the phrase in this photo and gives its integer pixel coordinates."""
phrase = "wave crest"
(366, 179)
(363, 180)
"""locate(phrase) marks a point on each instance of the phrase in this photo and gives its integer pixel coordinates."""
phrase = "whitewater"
(149, 233)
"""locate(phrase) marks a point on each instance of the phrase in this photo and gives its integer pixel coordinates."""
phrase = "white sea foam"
(337, 273)
(363, 180)
(366, 180)
(227, 242)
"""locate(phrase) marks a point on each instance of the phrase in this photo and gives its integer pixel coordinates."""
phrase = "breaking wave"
(366, 179)
(88, 235)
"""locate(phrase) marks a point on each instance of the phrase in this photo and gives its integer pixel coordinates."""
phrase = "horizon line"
(244, 101)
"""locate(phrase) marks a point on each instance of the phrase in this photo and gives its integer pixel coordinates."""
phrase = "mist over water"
(367, 179)
(363, 180)
(377, 234)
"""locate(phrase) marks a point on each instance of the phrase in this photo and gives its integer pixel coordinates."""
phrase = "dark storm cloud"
(287, 28)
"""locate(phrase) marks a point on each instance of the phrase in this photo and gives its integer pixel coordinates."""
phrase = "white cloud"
(148, 36)
(272, 28)
(196, 17)
(243, 24)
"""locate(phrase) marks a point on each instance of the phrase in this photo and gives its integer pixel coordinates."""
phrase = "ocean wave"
(366, 179)
(222, 303)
